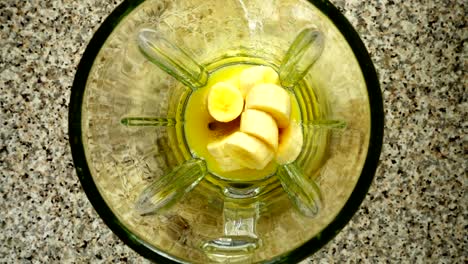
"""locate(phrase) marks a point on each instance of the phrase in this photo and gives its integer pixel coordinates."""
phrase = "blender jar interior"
(123, 160)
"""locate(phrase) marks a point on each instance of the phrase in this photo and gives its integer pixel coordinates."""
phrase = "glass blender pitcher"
(134, 154)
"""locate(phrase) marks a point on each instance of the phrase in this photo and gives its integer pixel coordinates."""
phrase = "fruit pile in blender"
(266, 129)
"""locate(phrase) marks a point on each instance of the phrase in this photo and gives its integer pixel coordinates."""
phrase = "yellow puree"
(197, 126)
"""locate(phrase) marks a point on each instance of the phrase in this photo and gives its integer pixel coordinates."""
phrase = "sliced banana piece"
(272, 99)
(261, 125)
(225, 102)
(224, 161)
(256, 75)
(290, 143)
(248, 151)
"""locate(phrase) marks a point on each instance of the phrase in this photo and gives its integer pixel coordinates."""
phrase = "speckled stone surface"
(415, 212)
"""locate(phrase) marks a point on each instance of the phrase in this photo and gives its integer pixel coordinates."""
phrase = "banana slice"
(248, 151)
(261, 125)
(272, 99)
(290, 143)
(224, 161)
(256, 75)
(225, 102)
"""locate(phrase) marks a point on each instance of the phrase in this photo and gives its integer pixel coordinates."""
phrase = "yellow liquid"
(198, 123)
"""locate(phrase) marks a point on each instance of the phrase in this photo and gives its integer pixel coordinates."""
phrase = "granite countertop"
(416, 209)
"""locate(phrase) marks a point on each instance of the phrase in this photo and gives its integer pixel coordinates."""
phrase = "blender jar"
(129, 145)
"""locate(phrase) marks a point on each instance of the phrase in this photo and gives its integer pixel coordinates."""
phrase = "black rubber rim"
(311, 246)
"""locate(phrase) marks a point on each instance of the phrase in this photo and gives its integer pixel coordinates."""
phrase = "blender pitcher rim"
(308, 248)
